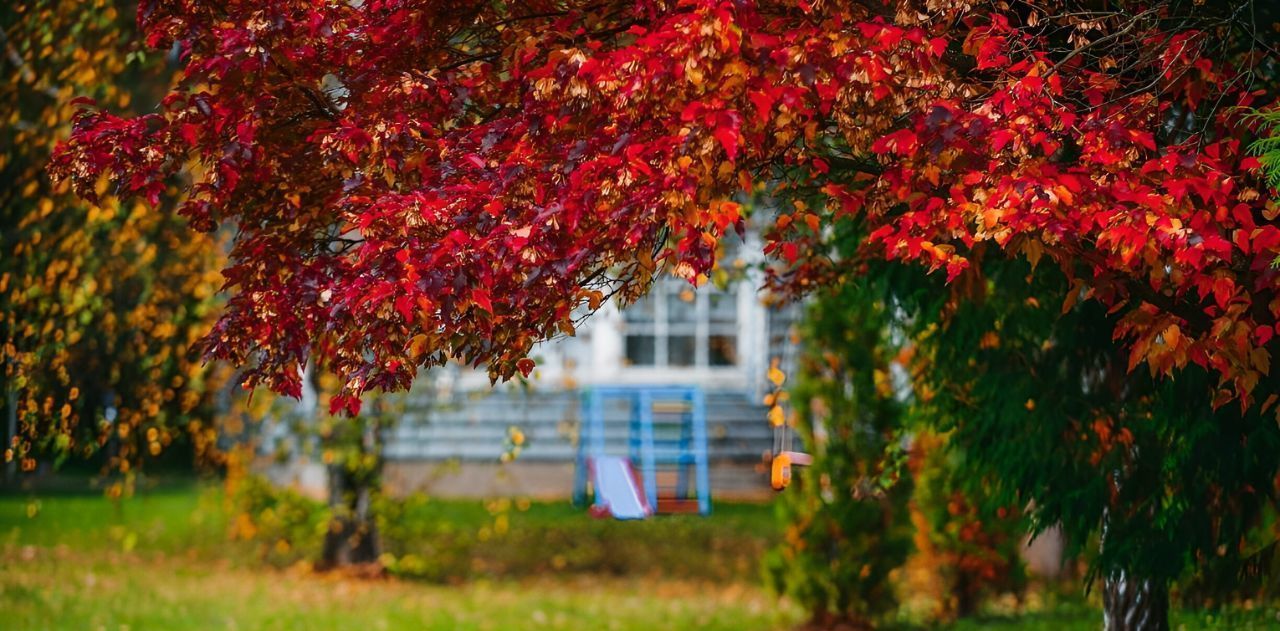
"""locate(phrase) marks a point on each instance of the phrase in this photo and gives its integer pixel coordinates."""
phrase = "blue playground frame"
(681, 444)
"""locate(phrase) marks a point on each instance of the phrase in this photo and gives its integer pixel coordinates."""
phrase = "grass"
(181, 519)
(163, 560)
(48, 590)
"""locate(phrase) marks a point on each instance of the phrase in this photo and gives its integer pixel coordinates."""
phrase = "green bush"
(454, 541)
(284, 526)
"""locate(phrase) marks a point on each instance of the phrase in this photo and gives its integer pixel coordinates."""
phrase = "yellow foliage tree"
(99, 304)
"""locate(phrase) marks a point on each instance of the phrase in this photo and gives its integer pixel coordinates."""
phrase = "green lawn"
(163, 560)
(61, 589)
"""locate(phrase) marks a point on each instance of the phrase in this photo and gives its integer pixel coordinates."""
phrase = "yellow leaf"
(776, 376)
(1033, 250)
(1064, 194)
(416, 345)
(100, 187)
(1077, 286)
(1271, 400)
(1261, 360)
(566, 328)
(812, 220)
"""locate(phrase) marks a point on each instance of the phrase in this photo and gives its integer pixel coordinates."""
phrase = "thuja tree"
(1049, 413)
(414, 180)
(847, 513)
(877, 452)
(99, 303)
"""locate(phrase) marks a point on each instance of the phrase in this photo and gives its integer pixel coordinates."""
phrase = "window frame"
(661, 329)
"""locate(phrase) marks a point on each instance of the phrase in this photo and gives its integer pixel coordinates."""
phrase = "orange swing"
(783, 456)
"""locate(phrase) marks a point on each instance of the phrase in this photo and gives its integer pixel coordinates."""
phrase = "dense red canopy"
(414, 180)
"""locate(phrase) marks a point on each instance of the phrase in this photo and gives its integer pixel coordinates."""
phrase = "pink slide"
(617, 490)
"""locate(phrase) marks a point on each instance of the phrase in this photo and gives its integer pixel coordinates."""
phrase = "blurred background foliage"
(99, 304)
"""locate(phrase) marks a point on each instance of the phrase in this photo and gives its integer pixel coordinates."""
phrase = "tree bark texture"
(1131, 604)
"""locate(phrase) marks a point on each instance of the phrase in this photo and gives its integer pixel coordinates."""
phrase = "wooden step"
(677, 505)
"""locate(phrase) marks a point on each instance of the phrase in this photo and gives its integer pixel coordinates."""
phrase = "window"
(677, 327)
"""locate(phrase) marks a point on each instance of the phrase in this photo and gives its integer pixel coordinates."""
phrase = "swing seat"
(780, 469)
(799, 458)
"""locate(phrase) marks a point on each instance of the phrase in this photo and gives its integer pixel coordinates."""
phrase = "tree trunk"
(965, 591)
(352, 538)
(827, 621)
(1130, 604)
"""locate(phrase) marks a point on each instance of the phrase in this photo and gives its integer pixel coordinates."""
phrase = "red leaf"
(481, 298)
(937, 46)
(1001, 138)
(404, 305)
(1263, 334)
(790, 252)
(345, 403)
(1223, 289)
(190, 133)
(525, 366)
(763, 100)
(727, 133)
(902, 142)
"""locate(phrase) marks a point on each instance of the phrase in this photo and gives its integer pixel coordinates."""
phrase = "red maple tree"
(413, 180)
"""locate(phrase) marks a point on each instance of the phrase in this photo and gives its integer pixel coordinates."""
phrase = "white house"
(455, 427)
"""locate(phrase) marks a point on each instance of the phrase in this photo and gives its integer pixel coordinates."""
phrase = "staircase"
(474, 428)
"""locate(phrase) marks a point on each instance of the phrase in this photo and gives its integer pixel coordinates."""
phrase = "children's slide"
(617, 490)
